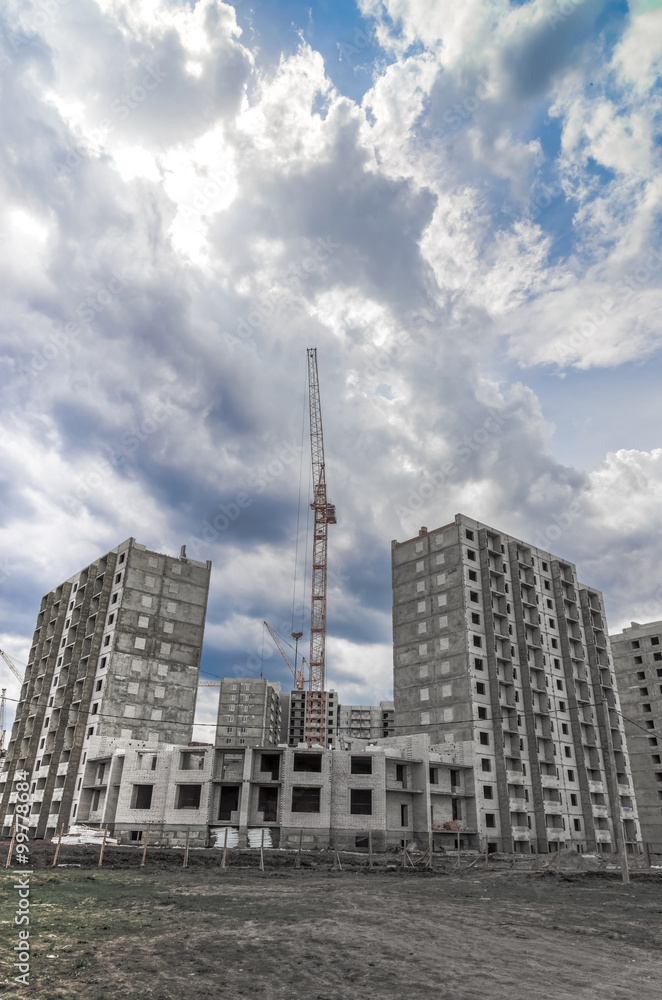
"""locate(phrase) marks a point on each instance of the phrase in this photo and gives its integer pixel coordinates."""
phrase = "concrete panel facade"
(249, 712)
(637, 654)
(116, 653)
(366, 722)
(323, 797)
(496, 642)
(297, 703)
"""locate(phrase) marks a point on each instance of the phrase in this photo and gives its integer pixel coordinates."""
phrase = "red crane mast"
(325, 514)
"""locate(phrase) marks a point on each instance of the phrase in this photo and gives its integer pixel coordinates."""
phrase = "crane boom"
(324, 514)
(298, 672)
(12, 666)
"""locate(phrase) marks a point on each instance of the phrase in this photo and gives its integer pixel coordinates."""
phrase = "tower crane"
(12, 666)
(324, 514)
(2, 722)
(298, 672)
(3, 698)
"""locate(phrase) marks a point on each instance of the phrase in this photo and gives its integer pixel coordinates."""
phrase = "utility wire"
(296, 547)
(421, 726)
(308, 551)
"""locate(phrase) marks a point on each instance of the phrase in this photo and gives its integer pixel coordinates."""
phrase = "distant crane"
(298, 672)
(325, 514)
(12, 666)
(3, 698)
(3, 731)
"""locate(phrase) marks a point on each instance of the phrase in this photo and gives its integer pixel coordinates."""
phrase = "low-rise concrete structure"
(637, 655)
(396, 790)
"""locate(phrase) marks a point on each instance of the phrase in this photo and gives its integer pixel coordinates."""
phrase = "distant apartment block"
(295, 706)
(637, 655)
(367, 721)
(392, 791)
(497, 642)
(249, 712)
(116, 653)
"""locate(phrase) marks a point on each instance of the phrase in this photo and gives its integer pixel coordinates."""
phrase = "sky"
(458, 205)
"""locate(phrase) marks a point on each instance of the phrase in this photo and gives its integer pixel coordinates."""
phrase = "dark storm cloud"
(337, 235)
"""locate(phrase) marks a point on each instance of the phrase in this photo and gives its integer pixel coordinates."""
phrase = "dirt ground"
(173, 933)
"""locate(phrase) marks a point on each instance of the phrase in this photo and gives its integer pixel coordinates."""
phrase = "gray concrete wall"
(493, 642)
(638, 667)
(249, 712)
(132, 763)
(116, 652)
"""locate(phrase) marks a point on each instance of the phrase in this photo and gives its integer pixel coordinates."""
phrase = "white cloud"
(251, 211)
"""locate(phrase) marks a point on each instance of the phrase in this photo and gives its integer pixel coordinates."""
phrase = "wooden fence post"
(103, 846)
(336, 857)
(57, 849)
(11, 843)
(625, 871)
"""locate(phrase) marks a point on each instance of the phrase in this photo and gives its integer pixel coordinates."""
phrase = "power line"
(419, 727)
(296, 545)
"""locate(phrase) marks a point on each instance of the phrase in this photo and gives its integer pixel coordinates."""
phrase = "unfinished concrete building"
(116, 653)
(497, 642)
(136, 787)
(295, 706)
(367, 722)
(637, 655)
(249, 712)
(397, 790)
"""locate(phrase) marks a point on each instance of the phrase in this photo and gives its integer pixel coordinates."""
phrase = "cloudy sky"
(458, 204)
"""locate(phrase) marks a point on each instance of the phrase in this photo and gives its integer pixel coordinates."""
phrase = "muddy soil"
(173, 933)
